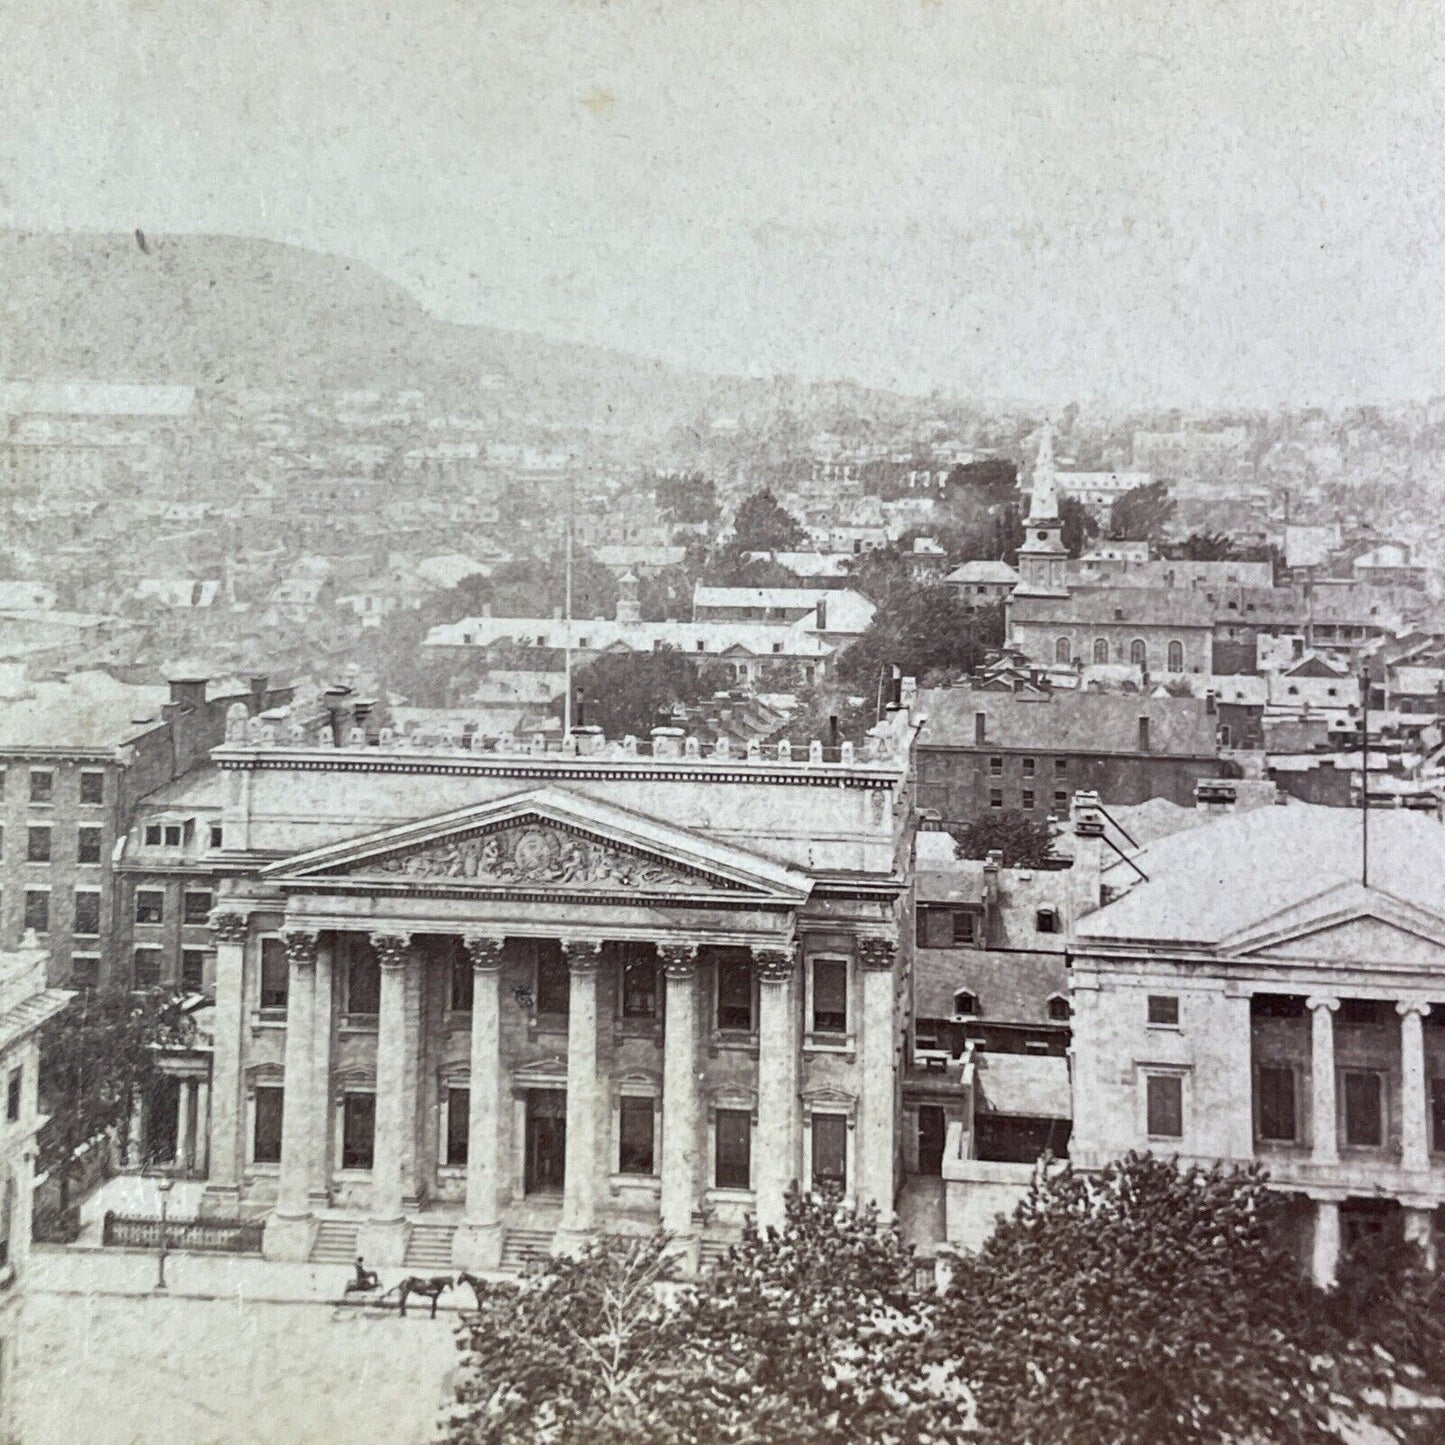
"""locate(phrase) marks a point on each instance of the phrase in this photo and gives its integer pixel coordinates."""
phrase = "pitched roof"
(1139, 606)
(89, 711)
(984, 571)
(1072, 722)
(1208, 884)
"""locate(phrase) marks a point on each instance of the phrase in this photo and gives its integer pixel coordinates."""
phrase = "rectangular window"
(1028, 767)
(459, 996)
(37, 909)
(1061, 766)
(458, 1119)
(1164, 1099)
(1028, 799)
(995, 797)
(734, 994)
(266, 1144)
(634, 1136)
(13, 1087)
(830, 1151)
(1364, 1116)
(554, 982)
(37, 845)
(87, 845)
(92, 787)
(639, 981)
(363, 983)
(830, 996)
(153, 835)
(172, 835)
(150, 905)
(84, 971)
(935, 927)
(1061, 803)
(218, 835)
(995, 767)
(1046, 920)
(87, 914)
(147, 968)
(275, 974)
(733, 1168)
(197, 908)
(358, 1130)
(42, 785)
(1277, 1103)
(965, 927)
(193, 970)
(1163, 1011)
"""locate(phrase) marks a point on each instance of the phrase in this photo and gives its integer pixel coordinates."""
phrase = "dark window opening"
(459, 994)
(830, 997)
(147, 968)
(275, 974)
(266, 1145)
(1164, 1101)
(87, 914)
(358, 1130)
(830, 1151)
(1164, 1010)
(150, 906)
(1277, 1103)
(197, 908)
(1364, 1117)
(554, 982)
(92, 787)
(734, 994)
(193, 970)
(734, 1166)
(635, 1135)
(37, 845)
(37, 910)
(639, 981)
(458, 1117)
(87, 845)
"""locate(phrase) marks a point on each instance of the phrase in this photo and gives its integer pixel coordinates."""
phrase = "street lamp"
(163, 1186)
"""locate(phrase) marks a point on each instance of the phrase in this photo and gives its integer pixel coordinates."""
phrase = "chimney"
(1086, 873)
(1209, 701)
(833, 730)
(188, 692)
(980, 729)
(260, 685)
(822, 623)
(581, 707)
(991, 866)
(1143, 732)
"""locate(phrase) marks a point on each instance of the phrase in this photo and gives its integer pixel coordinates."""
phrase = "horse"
(473, 1283)
(430, 1287)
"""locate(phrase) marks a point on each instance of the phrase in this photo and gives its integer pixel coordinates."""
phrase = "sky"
(1177, 202)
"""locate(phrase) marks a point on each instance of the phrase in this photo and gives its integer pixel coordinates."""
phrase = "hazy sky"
(1175, 200)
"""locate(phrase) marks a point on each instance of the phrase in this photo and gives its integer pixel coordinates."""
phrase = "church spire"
(1044, 499)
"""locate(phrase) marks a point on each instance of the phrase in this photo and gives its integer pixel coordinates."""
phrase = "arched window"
(1061, 650)
(965, 1004)
(1101, 649)
(1176, 657)
(1058, 1007)
(1137, 652)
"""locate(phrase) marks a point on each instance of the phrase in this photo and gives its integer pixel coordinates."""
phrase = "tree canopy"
(1141, 515)
(923, 629)
(1023, 841)
(634, 692)
(687, 499)
(762, 525)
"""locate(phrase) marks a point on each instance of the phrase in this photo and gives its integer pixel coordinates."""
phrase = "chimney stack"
(1143, 732)
(260, 685)
(980, 728)
(188, 692)
(1209, 703)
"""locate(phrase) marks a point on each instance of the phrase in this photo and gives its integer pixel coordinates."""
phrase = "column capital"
(392, 949)
(877, 953)
(679, 960)
(301, 946)
(1317, 1001)
(229, 926)
(775, 965)
(1418, 1006)
(582, 954)
(484, 952)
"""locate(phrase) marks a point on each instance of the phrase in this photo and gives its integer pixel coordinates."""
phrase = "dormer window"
(1058, 1009)
(1046, 920)
(965, 1004)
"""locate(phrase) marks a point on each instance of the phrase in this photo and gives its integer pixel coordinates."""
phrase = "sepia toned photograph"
(722, 723)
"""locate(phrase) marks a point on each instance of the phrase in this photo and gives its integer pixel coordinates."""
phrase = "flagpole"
(1365, 777)
(567, 618)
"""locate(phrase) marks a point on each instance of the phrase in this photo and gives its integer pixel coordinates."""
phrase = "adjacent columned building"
(476, 1000)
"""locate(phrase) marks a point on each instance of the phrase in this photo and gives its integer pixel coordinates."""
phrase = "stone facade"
(536, 994)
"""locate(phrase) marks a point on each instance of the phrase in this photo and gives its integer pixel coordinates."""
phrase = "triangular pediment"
(1350, 923)
(549, 841)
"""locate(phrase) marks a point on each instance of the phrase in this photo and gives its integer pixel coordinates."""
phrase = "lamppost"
(163, 1186)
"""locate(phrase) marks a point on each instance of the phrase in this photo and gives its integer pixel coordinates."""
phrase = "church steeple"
(1043, 555)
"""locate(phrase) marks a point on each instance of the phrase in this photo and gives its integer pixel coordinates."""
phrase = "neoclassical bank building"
(475, 1000)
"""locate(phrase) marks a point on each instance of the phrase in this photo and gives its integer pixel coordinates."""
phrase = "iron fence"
(215, 1236)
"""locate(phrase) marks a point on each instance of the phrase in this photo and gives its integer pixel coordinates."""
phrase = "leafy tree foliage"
(1023, 842)
(994, 481)
(665, 595)
(807, 1335)
(762, 525)
(634, 692)
(688, 499)
(1206, 547)
(96, 1058)
(1140, 1305)
(1079, 525)
(1142, 514)
(925, 630)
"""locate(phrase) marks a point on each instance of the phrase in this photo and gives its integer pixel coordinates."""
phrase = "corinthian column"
(876, 1149)
(477, 1244)
(1414, 1130)
(679, 1093)
(1323, 1123)
(777, 1087)
(290, 1232)
(222, 1198)
(579, 1195)
(383, 1239)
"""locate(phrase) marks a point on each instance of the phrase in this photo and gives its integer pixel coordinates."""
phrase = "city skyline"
(1201, 208)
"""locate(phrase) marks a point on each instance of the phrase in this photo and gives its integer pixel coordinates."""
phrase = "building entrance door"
(546, 1140)
(931, 1131)
(161, 1105)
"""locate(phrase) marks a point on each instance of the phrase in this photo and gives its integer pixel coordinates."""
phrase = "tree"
(762, 525)
(922, 629)
(1023, 842)
(687, 499)
(1206, 547)
(665, 595)
(97, 1058)
(1142, 514)
(808, 1334)
(994, 481)
(1079, 525)
(633, 692)
(1142, 1304)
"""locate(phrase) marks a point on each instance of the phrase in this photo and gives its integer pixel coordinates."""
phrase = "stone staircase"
(522, 1247)
(429, 1248)
(335, 1243)
(712, 1250)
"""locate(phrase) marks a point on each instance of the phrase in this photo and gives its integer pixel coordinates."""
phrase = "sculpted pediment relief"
(533, 854)
(1359, 941)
